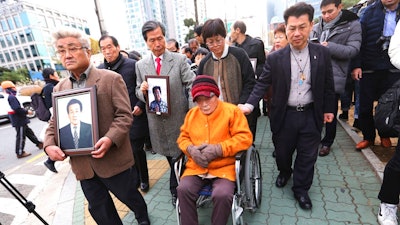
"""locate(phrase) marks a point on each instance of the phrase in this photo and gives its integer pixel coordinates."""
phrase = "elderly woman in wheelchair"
(212, 134)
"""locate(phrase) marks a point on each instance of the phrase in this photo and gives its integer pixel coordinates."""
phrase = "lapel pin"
(315, 57)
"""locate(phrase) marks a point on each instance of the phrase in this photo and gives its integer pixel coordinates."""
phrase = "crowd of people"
(217, 81)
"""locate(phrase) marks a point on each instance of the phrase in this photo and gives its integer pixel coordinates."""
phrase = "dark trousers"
(173, 183)
(330, 128)
(299, 132)
(123, 186)
(252, 121)
(222, 197)
(22, 133)
(390, 189)
(372, 86)
(140, 159)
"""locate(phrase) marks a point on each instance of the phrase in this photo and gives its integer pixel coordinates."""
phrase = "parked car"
(5, 107)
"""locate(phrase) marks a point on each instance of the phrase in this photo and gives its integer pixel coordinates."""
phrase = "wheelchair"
(248, 192)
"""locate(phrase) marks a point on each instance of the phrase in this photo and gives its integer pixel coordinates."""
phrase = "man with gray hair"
(165, 128)
(109, 167)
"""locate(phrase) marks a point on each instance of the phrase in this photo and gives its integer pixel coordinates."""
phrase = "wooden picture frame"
(70, 108)
(160, 86)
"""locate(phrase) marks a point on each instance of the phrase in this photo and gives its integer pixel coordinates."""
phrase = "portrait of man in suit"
(76, 134)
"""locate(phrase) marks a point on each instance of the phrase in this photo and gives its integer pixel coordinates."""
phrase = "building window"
(9, 41)
(27, 53)
(4, 25)
(33, 50)
(22, 37)
(14, 56)
(15, 37)
(29, 36)
(32, 66)
(17, 21)
(8, 58)
(24, 19)
(10, 23)
(2, 58)
(20, 54)
(3, 43)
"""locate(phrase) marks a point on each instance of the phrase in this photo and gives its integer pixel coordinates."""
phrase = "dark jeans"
(123, 186)
(330, 128)
(22, 133)
(140, 159)
(372, 86)
(299, 132)
(222, 197)
(390, 189)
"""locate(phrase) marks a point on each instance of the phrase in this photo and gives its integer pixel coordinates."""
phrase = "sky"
(231, 9)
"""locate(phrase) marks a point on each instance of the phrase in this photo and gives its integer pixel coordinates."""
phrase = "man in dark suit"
(76, 127)
(301, 74)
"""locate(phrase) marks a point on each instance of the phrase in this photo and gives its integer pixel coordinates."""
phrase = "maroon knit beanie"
(204, 85)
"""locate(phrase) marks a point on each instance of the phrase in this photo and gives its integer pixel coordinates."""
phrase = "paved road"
(344, 191)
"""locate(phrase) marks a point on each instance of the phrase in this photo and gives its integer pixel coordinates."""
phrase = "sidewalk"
(344, 191)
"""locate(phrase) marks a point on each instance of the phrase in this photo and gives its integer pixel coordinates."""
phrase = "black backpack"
(387, 112)
(40, 107)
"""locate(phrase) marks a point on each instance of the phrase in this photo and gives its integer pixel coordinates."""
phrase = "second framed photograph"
(158, 94)
(75, 120)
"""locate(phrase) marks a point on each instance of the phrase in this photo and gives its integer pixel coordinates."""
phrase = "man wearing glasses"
(109, 168)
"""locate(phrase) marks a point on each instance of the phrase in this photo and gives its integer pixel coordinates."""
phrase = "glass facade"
(25, 34)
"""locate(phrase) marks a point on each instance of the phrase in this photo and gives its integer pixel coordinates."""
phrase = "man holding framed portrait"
(109, 166)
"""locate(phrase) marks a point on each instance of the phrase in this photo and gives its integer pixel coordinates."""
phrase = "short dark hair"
(150, 26)
(241, 25)
(47, 72)
(187, 49)
(298, 10)
(201, 51)
(213, 27)
(197, 29)
(155, 88)
(113, 39)
(328, 2)
(134, 55)
(74, 101)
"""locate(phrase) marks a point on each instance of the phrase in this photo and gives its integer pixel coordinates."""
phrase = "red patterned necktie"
(158, 68)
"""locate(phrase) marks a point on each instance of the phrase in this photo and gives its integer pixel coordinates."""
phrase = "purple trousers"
(222, 197)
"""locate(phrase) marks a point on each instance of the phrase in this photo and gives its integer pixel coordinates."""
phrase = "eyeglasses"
(217, 42)
(72, 50)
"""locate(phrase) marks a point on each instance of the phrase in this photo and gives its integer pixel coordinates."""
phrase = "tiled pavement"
(344, 191)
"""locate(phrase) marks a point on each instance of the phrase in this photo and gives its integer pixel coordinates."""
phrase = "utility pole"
(196, 15)
(100, 19)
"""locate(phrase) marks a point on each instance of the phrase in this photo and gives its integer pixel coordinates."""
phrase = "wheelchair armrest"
(179, 165)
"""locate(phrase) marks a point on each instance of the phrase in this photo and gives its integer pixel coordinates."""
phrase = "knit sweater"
(227, 126)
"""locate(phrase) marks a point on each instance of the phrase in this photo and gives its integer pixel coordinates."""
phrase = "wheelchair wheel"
(253, 179)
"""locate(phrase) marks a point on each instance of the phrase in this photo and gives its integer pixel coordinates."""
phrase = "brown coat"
(115, 119)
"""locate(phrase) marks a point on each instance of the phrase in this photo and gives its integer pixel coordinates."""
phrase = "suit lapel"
(314, 58)
(286, 66)
(166, 66)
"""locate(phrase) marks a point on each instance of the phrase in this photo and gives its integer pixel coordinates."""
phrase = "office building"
(25, 34)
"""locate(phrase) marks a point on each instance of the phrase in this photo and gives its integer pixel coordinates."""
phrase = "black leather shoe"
(146, 222)
(50, 166)
(304, 201)
(144, 187)
(173, 200)
(281, 181)
(324, 151)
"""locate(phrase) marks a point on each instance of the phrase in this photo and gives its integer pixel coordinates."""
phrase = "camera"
(384, 42)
